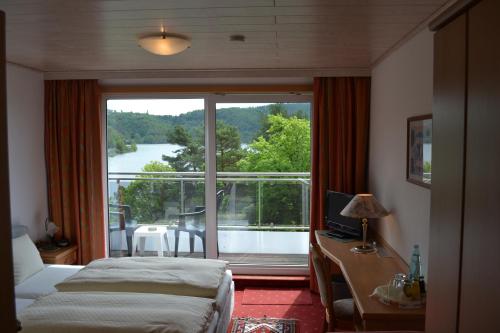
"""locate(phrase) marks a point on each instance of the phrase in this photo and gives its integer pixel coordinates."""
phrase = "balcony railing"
(264, 201)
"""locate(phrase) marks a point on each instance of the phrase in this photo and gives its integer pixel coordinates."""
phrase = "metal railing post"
(232, 202)
(117, 194)
(182, 196)
(259, 202)
(308, 205)
(303, 212)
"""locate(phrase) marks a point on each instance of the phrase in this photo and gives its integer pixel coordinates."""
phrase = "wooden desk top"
(363, 273)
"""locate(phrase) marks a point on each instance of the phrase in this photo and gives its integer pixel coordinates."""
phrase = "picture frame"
(419, 150)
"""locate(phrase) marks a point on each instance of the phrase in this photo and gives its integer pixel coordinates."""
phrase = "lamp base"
(363, 249)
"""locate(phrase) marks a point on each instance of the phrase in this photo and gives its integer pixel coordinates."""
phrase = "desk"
(364, 272)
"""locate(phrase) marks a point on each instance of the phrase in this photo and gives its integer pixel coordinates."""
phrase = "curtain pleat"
(73, 152)
(340, 132)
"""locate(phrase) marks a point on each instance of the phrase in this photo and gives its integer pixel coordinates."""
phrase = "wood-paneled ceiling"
(87, 35)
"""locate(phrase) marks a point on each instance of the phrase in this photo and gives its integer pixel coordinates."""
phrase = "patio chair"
(120, 217)
(195, 227)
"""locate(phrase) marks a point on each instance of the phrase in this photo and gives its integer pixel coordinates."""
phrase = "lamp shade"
(164, 43)
(364, 206)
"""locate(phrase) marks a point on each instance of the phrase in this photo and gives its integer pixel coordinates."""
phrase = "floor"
(310, 317)
(248, 247)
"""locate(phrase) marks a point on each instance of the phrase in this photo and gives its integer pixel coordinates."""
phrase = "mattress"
(219, 324)
(214, 323)
(63, 312)
(226, 312)
(224, 290)
(42, 283)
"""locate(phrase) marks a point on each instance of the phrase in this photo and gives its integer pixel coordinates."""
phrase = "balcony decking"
(235, 246)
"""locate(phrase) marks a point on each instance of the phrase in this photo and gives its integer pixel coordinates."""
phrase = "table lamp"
(364, 207)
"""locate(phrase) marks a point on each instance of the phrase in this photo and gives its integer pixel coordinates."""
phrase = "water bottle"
(414, 276)
(415, 265)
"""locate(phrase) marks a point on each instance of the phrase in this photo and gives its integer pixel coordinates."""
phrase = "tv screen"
(335, 202)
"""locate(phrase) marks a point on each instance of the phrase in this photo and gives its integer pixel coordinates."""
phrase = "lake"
(135, 161)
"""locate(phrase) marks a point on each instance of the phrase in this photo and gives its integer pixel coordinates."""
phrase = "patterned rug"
(264, 325)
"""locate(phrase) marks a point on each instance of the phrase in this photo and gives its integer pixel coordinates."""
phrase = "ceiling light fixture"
(164, 43)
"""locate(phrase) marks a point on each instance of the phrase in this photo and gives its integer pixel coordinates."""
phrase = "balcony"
(263, 218)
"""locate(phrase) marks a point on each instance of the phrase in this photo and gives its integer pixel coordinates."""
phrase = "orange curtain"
(73, 153)
(340, 129)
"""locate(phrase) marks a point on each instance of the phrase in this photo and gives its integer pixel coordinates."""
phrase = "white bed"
(35, 280)
(22, 303)
(42, 284)
(118, 312)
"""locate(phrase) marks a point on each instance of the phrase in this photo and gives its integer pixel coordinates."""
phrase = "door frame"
(210, 102)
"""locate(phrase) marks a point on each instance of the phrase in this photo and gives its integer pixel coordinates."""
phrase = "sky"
(171, 107)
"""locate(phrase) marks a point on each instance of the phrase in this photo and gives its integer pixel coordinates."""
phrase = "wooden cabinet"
(480, 292)
(464, 268)
(448, 149)
(62, 256)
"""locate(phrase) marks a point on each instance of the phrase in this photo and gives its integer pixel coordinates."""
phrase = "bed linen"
(163, 275)
(43, 282)
(22, 303)
(226, 311)
(114, 312)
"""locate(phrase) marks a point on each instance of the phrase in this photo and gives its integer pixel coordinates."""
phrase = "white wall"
(401, 88)
(25, 114)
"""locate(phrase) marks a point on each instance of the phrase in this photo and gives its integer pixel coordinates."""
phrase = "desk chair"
(339, 313)
(195, 227)
(120, 218)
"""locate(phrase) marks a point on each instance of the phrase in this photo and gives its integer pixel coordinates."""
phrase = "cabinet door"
(7, 305)
(480, 290)
(447, 176)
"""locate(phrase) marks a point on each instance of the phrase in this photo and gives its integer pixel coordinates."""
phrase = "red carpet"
(309, 317)
(276, 296)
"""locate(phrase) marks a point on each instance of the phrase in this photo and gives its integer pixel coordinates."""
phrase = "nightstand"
(61, 256)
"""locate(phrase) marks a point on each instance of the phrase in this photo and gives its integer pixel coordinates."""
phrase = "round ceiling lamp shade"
(164, 43)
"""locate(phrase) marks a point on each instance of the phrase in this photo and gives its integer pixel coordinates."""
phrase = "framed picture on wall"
(419, 150)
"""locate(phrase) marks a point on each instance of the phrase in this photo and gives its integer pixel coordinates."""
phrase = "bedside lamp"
(364, 207)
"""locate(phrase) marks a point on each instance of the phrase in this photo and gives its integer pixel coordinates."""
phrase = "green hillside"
(146, 128)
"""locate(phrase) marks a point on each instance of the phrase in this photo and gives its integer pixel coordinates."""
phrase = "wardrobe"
(464, 255)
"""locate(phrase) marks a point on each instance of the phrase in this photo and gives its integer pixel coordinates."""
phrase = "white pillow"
(27, 260)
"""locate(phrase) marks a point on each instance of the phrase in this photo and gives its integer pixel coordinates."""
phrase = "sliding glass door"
(156, 173)
(210, 176)
(263, 164)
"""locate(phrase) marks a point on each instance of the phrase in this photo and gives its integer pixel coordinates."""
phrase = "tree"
(147, 198)
(286, 149)
(117, 144)
(277, 109)
(228, 146)
(191, 156)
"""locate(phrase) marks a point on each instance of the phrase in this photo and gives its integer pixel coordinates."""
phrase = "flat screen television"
(341, 226)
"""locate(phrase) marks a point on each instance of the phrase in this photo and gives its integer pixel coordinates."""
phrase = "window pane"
(156, 162)
(263, 165)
